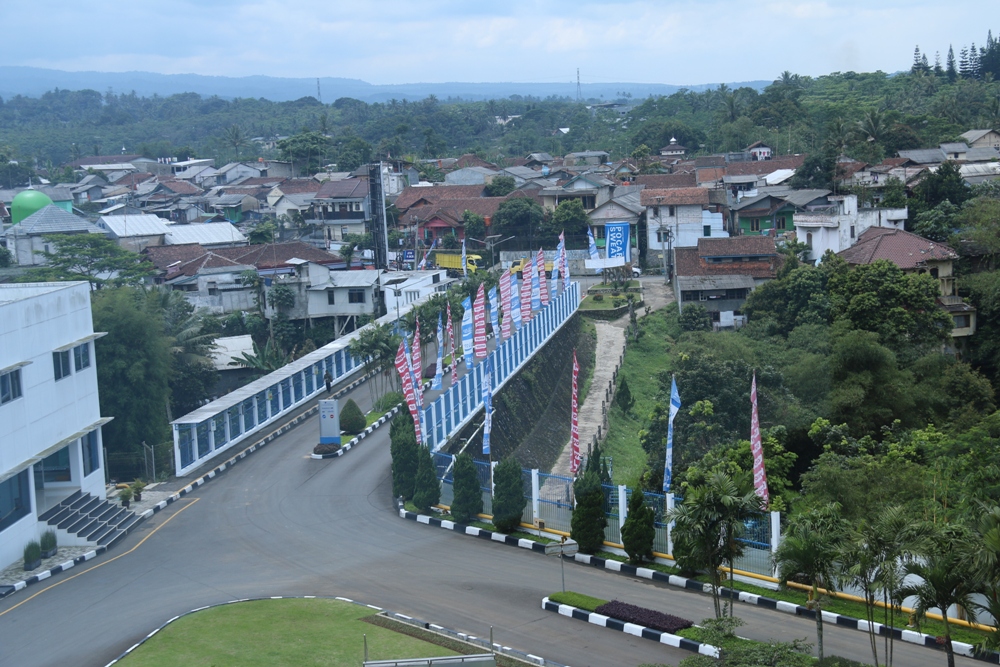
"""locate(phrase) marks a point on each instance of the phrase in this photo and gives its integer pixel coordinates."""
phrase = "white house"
(681, 216)
(838, 226)
(50, 420)
(404, 287)
(324, 293)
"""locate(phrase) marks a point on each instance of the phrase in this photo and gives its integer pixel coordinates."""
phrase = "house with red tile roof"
(679, 217)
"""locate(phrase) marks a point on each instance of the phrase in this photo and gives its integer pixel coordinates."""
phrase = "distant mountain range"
(34, 81)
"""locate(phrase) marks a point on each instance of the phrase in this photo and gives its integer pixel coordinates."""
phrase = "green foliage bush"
(388, 401)
(598, 298)
(589, 520)
(403, 448)
(578, 600)
(426, 488)
(639, 532)
(32, 552)
(508, 495)
(352, 420)
(468, 502)
(48, 540)
(694, 317)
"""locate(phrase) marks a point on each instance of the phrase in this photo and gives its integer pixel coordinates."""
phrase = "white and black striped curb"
(839, 620)
(356, 440)
(631, 628)
(509, 540)
(409, 620)
(9, 589)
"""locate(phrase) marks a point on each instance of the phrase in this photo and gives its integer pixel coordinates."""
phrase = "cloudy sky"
(665, 41)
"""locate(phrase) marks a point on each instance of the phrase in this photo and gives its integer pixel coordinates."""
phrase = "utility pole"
(319, 95)
(579, 91)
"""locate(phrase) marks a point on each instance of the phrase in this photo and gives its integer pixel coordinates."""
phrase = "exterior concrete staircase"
(83, 518)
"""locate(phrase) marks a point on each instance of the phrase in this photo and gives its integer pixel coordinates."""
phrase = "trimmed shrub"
(468, 500)
(32, 553)
(589, 520)
(650, 618)
(403, 447)
(598, 298)
(325, 449)
(48, 540)
(508, 495)
(623, 397)
(352, 420)
(578, 600)
(638, 532)
(426, 488)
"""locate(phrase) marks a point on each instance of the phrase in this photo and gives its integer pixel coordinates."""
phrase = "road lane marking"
(121, 555)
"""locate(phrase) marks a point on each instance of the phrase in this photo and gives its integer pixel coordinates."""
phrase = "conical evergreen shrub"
(639, 529)
(589, 520)
(508, 495)
(403, 447)
(468, 500)
(352, 420)
(426, 488)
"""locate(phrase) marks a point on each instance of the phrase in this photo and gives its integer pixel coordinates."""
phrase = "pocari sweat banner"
(616, 235)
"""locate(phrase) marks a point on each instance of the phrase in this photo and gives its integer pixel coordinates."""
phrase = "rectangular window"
(60, 364)
(755, 225)
(706, 230)
(234, 421)
(55, 467)
(962, 321)
(852, 231)
(203, 444)
(219, 429)
(781, 224)
(355, 295)
(10, 386)
(330, 299)
(184, 442)
(91, 453)
(670, 211)
(262, 407)
(81, 357)
(15, 499)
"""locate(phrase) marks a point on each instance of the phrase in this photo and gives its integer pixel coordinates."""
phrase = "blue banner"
(487, 404)
(616, 235)
(515, 303)
(418, 382)
(439, 371)
(536, 287)
(592, 247)
(409, 255)
(467, 331)
(465, 264)
(494, 311)
(668, 459)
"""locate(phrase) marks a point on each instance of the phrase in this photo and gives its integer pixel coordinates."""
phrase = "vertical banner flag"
(756, 448)
(467, 332)
(494, 315)
(423, 262)
(592, 247)
(668, 459)
(557, 265)
(418, 356)
(439, 370)
(543, 283)
(618, 243)
(574, 433)
(465, 264)
(451, 345)
(505, 304)
(515, 302)
(526, 292)
(403, 368)
(487, 405)
(479, 324)
(413, 377)
(564, 266)
(537, 273)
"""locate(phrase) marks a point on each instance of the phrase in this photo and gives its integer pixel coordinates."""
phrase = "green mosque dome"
(27, 202)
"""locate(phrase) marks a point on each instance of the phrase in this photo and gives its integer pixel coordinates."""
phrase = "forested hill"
(864, 116)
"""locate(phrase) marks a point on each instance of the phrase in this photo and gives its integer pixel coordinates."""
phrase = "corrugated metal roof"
(206, 233)
(714, 282)
(133, 225)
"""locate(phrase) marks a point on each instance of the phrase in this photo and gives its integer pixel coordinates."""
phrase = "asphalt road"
(279, 523)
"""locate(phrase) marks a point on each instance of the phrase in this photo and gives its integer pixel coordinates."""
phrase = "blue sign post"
(618, 241)
(409, 255)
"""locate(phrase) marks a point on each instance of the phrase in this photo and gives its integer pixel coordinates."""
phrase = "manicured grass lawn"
(607, 303)
(277, 632)
(578, 600)
(373, 417)
(643, 361)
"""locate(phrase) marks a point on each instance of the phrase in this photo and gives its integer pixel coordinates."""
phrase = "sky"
(683, 42)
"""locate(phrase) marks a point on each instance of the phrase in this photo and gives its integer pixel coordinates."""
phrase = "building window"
(91, 454)
(934, 272)
(81, 357)
(60, 364)
(670, 211)
(356, 295)
(852, 231)
(10, 386)
(15, 501)
(661, 237)
(755, 224)
(412, 295)
(357, 206)
(344, 232)
(706, 230)
(781, 223)
(962, 321)
(330, 300)
(809, 239)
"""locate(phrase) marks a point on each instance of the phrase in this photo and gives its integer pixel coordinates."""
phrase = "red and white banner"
(451, 345)
(418, 357)
(756, 448)
(543, 283)
(574, 434)
(526, 292)
(479, 324)
(505, 305)
(403, 368)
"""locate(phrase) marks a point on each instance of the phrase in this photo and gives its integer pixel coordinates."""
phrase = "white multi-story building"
(51, 463)
(837, 227)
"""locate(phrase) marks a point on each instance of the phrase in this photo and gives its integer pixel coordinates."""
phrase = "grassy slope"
(277, 632)
(643, 360)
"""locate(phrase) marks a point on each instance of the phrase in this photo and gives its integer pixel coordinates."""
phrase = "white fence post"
(623, 505)
(534, 495)
(775, 534)
(670, 525)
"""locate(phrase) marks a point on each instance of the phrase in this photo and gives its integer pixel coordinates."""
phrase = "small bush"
(649, 618)
(578, 600)
(48, 540)
(468, 501)
(403, 448)
(426, 488)
(508, 495)
(32, 552)
(352, 420)
(598, 298)
(588, 521)
(325, 449)
(616, 293)
(388, 401)
(639, 530)
(617, 303)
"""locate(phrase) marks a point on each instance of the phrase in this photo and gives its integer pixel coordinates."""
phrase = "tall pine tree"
(426, 488)
(468, 500)
(639, 530)
(949, 67)
(508, 495)
(589, 519)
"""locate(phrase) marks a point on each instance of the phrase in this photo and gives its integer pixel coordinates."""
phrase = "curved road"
(279, 523)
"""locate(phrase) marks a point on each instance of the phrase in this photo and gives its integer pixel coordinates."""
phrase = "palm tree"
(987, 561)
(267, 359)
(947, 576)
(235, 137)
(808, 552)
(873, 125)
